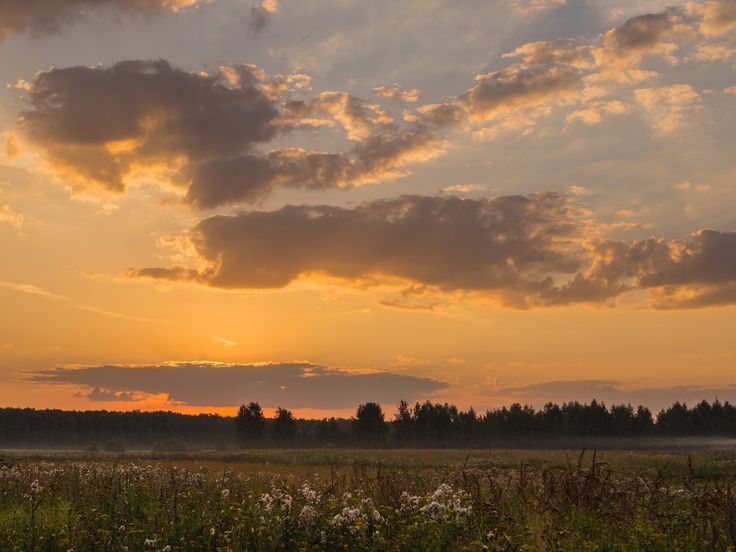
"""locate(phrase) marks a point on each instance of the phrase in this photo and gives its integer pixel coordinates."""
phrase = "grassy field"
(368, 500)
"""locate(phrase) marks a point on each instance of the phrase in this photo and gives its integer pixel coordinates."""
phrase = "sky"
(317, 204)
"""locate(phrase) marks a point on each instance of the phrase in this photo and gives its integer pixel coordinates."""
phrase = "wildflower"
(307, 514)
(225, 493)
(35, 487)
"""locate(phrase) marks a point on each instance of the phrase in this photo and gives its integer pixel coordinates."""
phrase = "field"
(368, 500)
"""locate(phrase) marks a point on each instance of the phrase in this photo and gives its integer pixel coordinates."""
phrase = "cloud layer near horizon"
(290, 385)
(525, 251)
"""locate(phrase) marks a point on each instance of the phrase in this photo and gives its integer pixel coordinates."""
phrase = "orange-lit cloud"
(107, 127)
(669, 105)
(716, 18)
(397, 93)
(526, 251)
(104, 126)
(291, 385)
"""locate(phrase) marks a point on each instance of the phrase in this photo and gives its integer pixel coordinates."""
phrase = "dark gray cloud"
(291, 385)
(612, 392)
(103, 126)
(639, 33)
(248, 178)
(153, 111)
(48, 16)
(509, 243)
(525, 251)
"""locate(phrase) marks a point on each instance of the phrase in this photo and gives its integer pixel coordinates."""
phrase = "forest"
(421, 425)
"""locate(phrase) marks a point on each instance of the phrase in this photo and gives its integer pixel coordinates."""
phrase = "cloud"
(593, 113)
(624, 47)
(523, 251)
(519, 87)
(97, 125)
(459, 189)
(247, 178)
(396, 93)
(509, 243)
(716, 18)
(359, 118)
(9, 216)
(207, 132)
(42, 17)
(107, 127)
(409, 305)
(12, 150)
(225, 341)
(407, 360)
(290, 385)
(668, 105)
(565, 50)
(30, 289)
(102, 395)
(506, 91)
(560, 72)
(714, 52)
(612, 392)
(697, 273)
(530, 7)
(261, 14)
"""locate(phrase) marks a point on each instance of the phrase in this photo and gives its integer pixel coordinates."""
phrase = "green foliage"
(382, 500)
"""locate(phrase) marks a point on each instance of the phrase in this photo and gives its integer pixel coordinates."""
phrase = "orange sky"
(481, 203)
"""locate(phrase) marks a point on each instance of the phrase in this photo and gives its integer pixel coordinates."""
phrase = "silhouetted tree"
(643, 422)
(403, 425)
(674, 420)
(328, 432)
(424, 424)
(369, 424)
(250, 424)
(284, 426)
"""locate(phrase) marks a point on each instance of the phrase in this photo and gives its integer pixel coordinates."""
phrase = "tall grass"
(365, 502)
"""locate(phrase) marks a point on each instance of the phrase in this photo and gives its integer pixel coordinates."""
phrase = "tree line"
(425, 424)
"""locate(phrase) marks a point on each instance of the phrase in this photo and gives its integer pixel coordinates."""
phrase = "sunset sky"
(313, 204)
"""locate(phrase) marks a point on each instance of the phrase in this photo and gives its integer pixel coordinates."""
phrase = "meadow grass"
(368, 500)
